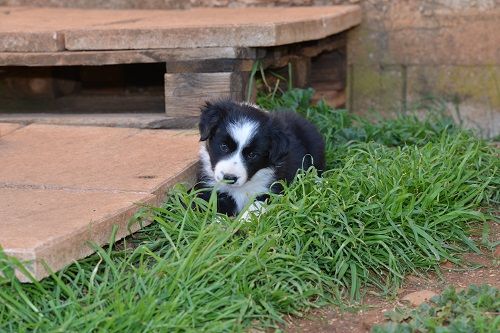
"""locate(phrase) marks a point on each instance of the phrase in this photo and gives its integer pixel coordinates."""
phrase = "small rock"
(418, 297)
(447, 265)
(496, 254)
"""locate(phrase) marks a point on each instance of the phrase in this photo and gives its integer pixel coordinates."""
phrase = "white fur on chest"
(258, 184)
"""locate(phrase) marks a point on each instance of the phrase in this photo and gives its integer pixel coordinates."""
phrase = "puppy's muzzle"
(230, 178)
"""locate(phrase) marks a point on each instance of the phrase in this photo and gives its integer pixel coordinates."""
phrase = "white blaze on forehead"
(242, 133)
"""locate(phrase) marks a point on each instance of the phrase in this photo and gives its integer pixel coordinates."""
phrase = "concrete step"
(57, 29)
(64, 186)
(134, 120)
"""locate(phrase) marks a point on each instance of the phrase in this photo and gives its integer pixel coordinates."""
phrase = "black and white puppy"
(244, 150)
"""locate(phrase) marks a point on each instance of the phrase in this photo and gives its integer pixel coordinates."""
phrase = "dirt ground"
(476, 269)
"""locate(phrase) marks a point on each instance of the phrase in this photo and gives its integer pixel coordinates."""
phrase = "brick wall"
(406, 51)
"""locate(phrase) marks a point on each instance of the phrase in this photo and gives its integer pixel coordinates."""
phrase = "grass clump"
(474, 309)
(398, 196)
(385, 212)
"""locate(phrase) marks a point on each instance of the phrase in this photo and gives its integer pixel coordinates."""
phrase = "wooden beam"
(98, 58)
(185, 93)
(210, 66)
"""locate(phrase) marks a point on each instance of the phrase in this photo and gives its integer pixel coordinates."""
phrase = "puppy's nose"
(230, 179)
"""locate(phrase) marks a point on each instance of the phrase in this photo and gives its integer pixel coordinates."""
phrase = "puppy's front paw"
(255, 209)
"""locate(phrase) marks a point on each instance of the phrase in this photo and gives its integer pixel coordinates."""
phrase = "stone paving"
(24, 29)
(62, 187)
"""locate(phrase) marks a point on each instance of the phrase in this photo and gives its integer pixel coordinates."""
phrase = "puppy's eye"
(224, 148)
(251, 155)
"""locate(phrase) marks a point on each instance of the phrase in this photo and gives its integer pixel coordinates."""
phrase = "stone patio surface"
(57, 29)
(62, 187)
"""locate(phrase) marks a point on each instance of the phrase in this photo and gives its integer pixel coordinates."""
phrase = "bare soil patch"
(476, 269)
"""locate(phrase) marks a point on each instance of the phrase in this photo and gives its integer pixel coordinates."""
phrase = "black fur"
(285, 142)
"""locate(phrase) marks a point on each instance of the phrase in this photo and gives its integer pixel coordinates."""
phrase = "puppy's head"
(239, 141)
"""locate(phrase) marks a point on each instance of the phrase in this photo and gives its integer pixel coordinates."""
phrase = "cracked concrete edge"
(186, 176)
(99, 231)
(9, 128)
(144, 30)
(31, 186)
(79, 244)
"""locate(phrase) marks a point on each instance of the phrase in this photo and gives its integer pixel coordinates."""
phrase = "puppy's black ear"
(279, 142)
(210, 116)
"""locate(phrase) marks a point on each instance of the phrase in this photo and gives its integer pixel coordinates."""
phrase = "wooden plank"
(210, 66)
(330, 67)
(97, 58)
(40, 82)
(315, 48)
(41, 41)
(301, 72)
(280, 56)
(92, 102)
(185, 93)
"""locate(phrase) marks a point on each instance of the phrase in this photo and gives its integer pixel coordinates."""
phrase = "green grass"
(474, 309)
(399, 196)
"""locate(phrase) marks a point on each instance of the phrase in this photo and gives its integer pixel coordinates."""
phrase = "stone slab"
(108, 4)
(6, 128)
(129, 120)
(24, 29)
(64, 186)
(54, 226)
(219, 27)
(95, 158)
(157, 29)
